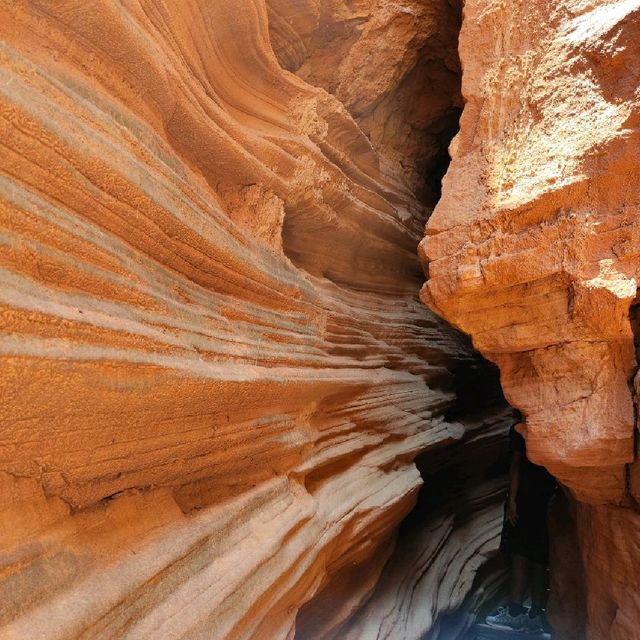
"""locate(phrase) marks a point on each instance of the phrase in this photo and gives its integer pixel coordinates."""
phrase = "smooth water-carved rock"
(532, 252)
(216, 373)
(452, 533)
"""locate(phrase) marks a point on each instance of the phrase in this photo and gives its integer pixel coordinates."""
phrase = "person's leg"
(539, 583)
(514, 616)
(518, 583)
(539, 580)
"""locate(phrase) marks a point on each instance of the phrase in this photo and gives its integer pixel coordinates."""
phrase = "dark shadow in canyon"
(444, 131)
(468, 482)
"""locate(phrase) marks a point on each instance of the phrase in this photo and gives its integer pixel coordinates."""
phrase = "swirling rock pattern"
(533, 251)
(426, 590)
(216, 372)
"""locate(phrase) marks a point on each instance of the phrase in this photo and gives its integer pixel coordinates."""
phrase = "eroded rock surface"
(395, 67)
(533, 252)
(216, 372)
(426, 589)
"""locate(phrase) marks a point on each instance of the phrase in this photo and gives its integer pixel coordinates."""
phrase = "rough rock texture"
(393, 64)
(533, 251)
(216, 372)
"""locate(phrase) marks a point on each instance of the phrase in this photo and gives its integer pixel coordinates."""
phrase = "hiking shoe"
(502, 619)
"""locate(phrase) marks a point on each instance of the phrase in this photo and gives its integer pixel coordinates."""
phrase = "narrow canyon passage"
(232, 407)
(445, 569)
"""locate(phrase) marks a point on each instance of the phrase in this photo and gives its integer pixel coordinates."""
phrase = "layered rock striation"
(216, 373)
(533, 252)
(445, 567)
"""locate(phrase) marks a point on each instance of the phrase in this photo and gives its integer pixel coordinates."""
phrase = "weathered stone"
(216, 373)
(533, 252)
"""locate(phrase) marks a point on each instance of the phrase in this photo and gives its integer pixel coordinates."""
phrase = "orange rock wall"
(533, 251)
(216, 372)
(395, 67)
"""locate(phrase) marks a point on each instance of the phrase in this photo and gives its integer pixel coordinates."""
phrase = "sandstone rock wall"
(395, 67)
(533, 252)
(216, 373)
(432, 587)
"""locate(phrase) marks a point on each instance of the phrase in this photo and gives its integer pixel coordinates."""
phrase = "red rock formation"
(532, 251)
(216, 373)
(395, 67)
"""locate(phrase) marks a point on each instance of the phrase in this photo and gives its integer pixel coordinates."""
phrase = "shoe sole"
(504, 627)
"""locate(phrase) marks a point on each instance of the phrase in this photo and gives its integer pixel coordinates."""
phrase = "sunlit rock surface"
(216, 373)
(533, 252)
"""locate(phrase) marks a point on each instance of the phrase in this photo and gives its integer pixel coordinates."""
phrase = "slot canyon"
(274, 276)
